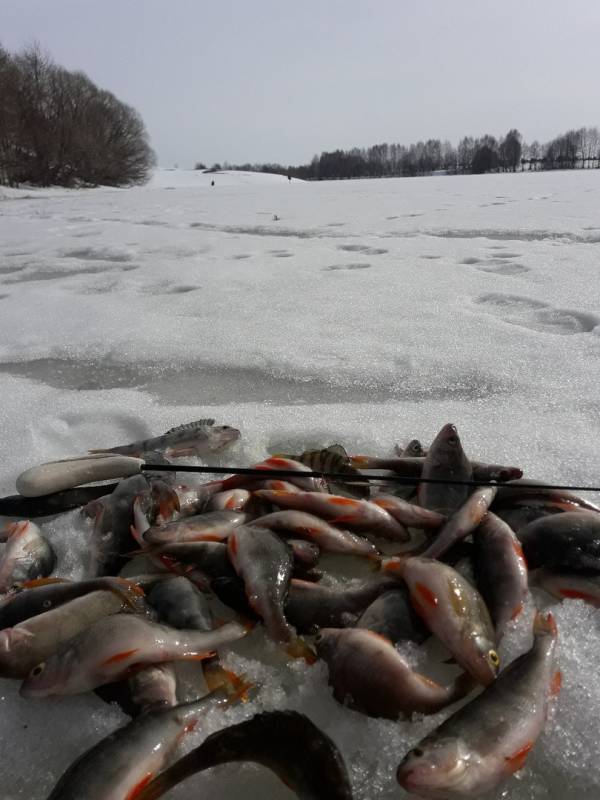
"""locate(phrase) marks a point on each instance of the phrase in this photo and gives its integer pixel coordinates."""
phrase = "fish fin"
(179, 452)
(139, 786)
(517, 611)
(118, 657)
(41, 582)
(450, 660)
(556, 683)
(517, 760)
(199, 656)
(344, 501)
(359, 461)
(576, 594)
(236, 686)
(544, 625)
(130, 592)
(189, 426)
(375, 560)
(426, 594)
(398, 450)
(298, 648)
(394, 565)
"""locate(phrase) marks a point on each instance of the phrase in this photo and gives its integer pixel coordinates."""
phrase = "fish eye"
(46, 603)
(38, 670)
(494, 658)
(417, 752)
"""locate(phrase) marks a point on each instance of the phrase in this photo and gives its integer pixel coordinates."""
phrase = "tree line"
(58, 128)
(576, 149)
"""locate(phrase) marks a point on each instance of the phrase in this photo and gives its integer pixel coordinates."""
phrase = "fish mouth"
(431, 781)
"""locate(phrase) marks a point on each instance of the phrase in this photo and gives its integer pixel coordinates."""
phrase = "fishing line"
(342, 477)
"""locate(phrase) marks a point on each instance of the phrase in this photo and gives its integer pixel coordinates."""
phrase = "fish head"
(435, 767)
(483, 661)
(221, 437)
(447, 441)
(326, 642)
(47, 677)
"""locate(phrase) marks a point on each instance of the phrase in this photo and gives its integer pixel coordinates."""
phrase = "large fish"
(361, 515)
(445, 460)
(490, 738)
(453, 610)
(528, 491)
(31, 642)
(308, 526)
(108, 650)
(286, 742)
(366, 669)
(501, 571)
(569, 541)
(27, 555)
(191, 439)
(121, 764)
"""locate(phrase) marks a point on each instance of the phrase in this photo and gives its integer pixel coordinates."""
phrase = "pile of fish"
(449, 546)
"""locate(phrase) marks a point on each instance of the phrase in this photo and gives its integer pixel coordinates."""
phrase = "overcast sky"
(276, 80)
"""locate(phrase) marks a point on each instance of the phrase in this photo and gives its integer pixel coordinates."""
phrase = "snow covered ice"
(369, 313)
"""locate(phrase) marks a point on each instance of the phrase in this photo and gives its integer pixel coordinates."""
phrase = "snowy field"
(369, 313)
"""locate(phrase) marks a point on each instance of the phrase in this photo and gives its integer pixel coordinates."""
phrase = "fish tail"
(394, 565)
(544, 625)
(236, 686)
(298, 648)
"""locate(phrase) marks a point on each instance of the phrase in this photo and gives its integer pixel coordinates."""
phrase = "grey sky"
(258, 80)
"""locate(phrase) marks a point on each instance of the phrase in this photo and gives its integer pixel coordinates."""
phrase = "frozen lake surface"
(369, 313)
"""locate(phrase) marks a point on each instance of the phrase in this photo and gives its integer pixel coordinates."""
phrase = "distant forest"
(576, 149)
(58, 128)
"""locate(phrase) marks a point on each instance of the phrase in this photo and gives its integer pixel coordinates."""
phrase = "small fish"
(334, 459)
(453, 610)
(125, 761)
(180, 604)
(310, 607)
(212, 526)
(485, 742)
(501, 571)
(365, 668)
(36, 639)
(308, 526)
(107, 650)
(232, 500)
(27, 555)
(392, 616)
(409, 514)
(414, 449)
(462, 522)
(199, 561)
(38, 596)
(191, 439)
(568, 541)
(304, 758)
(265, 565)
(361, 515)
(445, 460)
(495, 472)
(568, 585)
